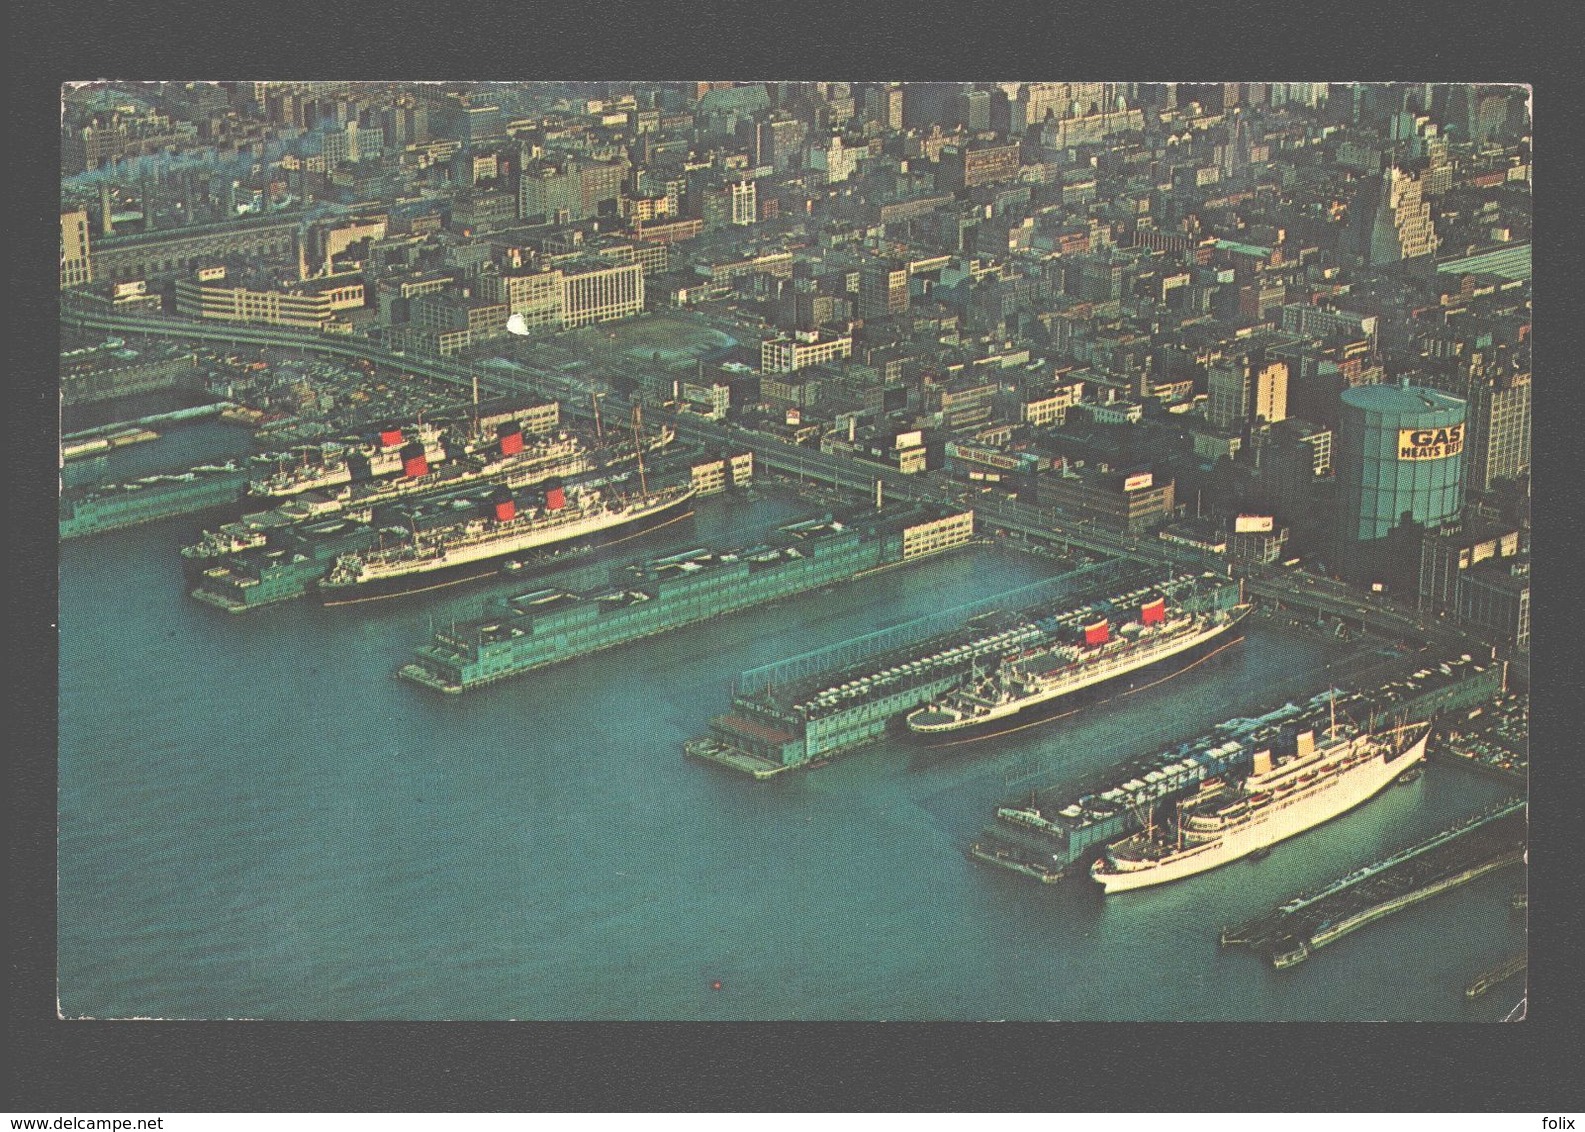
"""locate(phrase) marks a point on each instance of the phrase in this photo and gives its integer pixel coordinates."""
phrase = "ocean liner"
(1279, 798)
(557, 521)
(1031, 684)
(512, 461)
(394, 450)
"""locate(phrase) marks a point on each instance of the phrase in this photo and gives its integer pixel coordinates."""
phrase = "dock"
(1290, 933)
(1049, 834)
(1501, 973)
(839, 698)
(548, 626)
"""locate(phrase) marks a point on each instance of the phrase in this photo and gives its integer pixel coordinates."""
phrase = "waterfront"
(257, 820)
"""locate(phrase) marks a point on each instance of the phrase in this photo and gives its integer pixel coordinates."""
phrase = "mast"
(638, 445)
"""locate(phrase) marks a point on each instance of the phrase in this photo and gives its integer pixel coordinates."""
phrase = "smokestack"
(880, 489)
(106, 225)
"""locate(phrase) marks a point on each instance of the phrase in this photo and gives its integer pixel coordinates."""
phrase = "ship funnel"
(415, 462)
(555, 495)
(1098, 633)
(1262, 763)
(511, 437)
(1306, 744)
(390, 437)
(502, 504)
(1154, 612)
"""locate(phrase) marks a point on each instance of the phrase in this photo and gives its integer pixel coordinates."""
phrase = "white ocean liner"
(1279, 798)
(580, 513)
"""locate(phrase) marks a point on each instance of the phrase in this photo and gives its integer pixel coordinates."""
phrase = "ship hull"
(539, 558)
(510, 472)
(383, 465)
(1282, 821)
(1123, 682)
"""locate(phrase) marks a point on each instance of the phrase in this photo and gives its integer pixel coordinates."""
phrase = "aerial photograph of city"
(782, 551)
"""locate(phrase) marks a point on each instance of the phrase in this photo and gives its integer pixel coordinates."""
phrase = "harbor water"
(257, 820)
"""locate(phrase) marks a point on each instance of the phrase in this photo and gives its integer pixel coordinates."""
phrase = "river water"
(257, 820)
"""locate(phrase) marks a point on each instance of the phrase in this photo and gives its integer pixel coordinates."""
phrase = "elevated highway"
(1300, 592)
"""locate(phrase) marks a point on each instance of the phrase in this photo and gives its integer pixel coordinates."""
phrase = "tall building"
(965, 166)
(1499, 429)
(76, 268)
(1246, 390)
(883, 104)
(595, 292)
(924, 103)
(971, 109)
(571, 189)
(745, 201)
(1399, 456)
(1392, 220)
(883, 289)
(574, 293)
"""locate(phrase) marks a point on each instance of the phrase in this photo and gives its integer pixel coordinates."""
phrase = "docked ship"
(1280, 797)
(557, 521)
(1030, 685)
(389, 452)
(512, 461)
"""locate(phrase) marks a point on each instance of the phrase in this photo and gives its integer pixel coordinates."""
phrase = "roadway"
(1296, 590)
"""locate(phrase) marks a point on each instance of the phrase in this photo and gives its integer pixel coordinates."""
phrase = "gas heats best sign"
(1430, 443)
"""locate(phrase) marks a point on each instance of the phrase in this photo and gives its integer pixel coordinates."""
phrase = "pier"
(811, 707)
(551, 625)
(1492, 976)
(1048, 834)
(1296, 929)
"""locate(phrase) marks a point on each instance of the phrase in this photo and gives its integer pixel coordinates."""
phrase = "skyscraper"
(76, 268)
(1391, 220)
(1499, 429)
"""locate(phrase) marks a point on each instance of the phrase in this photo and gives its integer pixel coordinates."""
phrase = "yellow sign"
(1430, 443)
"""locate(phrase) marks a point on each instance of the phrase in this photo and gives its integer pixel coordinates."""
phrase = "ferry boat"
(1031, 684)
(1280, 797)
